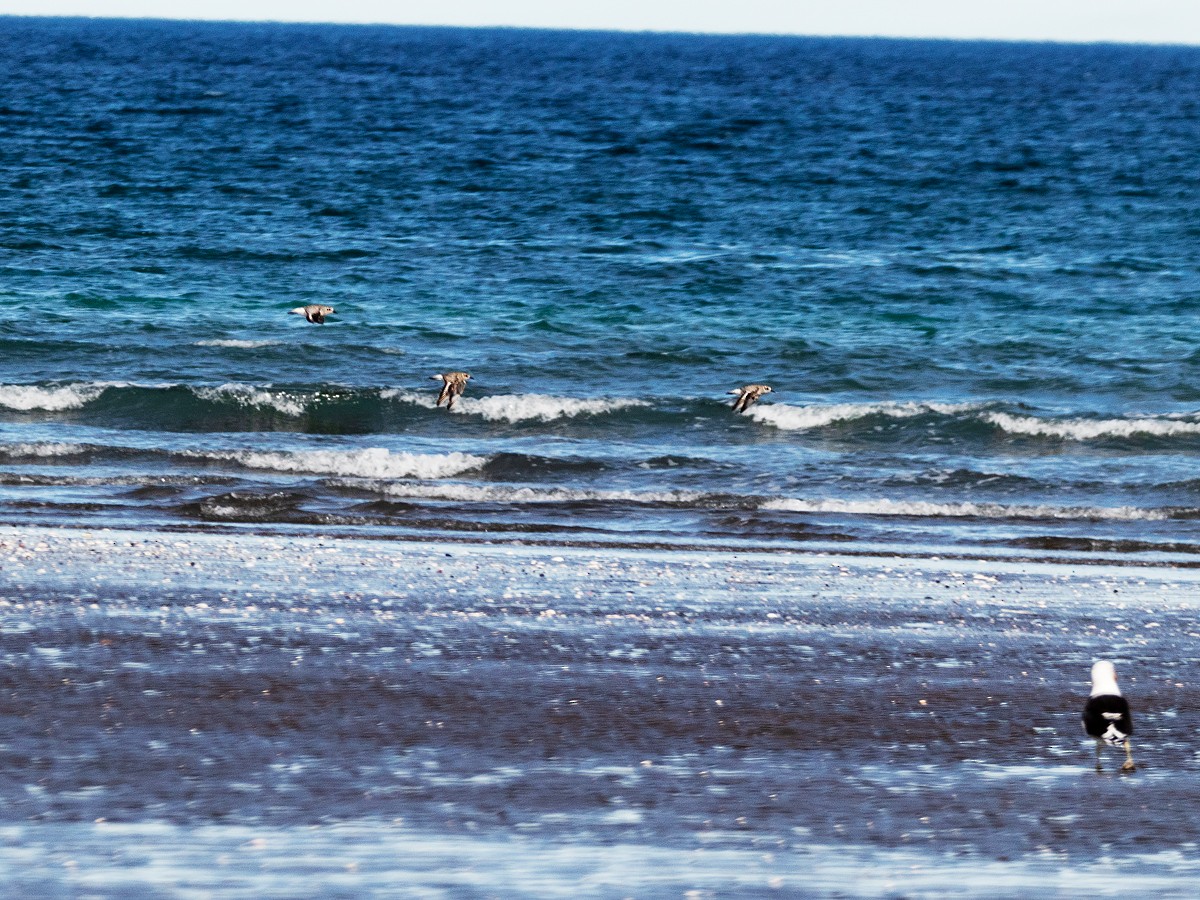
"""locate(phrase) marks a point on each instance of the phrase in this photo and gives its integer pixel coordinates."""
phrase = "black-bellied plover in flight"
(453, 384)
(747, 394)
(314, 312)
(1106, 714)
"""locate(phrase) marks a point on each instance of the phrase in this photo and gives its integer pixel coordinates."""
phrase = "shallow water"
(965, 268)
(388, 859)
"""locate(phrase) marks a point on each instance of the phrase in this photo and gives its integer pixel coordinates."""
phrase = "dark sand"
(241, 716)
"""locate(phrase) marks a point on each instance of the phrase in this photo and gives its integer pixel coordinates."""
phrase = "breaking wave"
(371, 462)
(1078, 428)
(286, 402)
(520, 407)
(28, 397)
(924, 509)
(1093, 429)
(469, 493)
(126, 397)
(800, 418)
(40, 451)
(427, 399)
(237, 344)
(539, 407)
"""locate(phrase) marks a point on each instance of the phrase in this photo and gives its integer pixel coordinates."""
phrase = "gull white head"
(1104, 679)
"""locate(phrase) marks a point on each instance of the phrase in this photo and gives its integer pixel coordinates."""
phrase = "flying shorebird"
(314, 312)
(747, 394)
(452, 387)
(1106, 714)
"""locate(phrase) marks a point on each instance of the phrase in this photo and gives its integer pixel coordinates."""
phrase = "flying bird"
(453, 384)
(314, 312)
(1106, 714)
(747, 394)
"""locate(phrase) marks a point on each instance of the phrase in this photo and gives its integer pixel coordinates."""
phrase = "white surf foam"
(427, 399)
(249, 395)
(797, 418)
(25, 397)
(538, 407)
(520, 407)
(48, 450)
(920, 508)
(237, 344)
(1091, 429)
(370, 462)
(818, 415)
(502, 494)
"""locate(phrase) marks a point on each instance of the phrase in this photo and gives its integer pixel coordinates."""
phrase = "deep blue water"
(968, 270)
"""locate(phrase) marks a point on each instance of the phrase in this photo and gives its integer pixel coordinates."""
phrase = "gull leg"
(1099, 751)
(1129, 766)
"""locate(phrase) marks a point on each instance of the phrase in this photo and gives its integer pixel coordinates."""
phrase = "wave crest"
(925, 509)
(370, 462)
(27, 397)
(520, 407)
(799, 418)
(24, 450)
(237, 344)
(539, 407)
(248, 395)
(819, 415)
(469, 493)
(1091, 429)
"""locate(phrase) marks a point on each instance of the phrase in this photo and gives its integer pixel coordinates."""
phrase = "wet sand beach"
(191, 714)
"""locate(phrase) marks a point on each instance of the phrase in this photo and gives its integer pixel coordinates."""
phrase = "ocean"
(968, 271)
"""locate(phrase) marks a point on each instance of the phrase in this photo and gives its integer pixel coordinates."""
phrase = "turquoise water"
(968, 271)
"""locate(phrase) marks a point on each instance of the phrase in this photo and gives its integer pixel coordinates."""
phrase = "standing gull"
(452, 387)
(747, 394)
(1106, 714)
(314, 312)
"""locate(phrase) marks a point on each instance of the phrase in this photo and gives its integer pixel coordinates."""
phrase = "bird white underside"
(1113, 735)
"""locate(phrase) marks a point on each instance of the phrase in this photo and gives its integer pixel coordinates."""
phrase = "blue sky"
(1154, 21)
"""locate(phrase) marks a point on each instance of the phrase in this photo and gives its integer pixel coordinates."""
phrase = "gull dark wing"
(1107, 709)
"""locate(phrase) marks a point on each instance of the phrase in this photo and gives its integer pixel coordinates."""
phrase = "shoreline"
(500, 540)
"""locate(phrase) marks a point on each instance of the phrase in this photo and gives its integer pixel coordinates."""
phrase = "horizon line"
(1081, 42)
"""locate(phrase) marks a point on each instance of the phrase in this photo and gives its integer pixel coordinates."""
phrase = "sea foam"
(370, 462)
(249, 395)
(519, 407)
(26, 397)
(18, 451)
(236, 343)
(818, 415)
(925, 509)
(538, 407)
(797, 418)
(504, 494)
(1091, 429)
